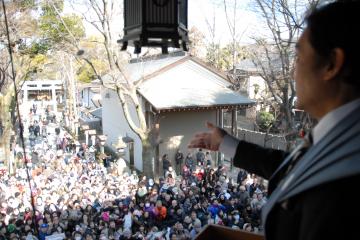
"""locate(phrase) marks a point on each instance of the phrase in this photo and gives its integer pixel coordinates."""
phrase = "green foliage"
(40, 47)
(26, 4)
(75, 25)
(54, 31)
(222, 57)
(48, 8)
(256, 88)
(265, 120)
(41, 34)
(36, 67)
(85, 74)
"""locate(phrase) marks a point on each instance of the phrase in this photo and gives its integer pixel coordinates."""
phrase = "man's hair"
(335, 26)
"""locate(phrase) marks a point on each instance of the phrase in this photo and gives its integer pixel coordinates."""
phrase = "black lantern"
(155, 23)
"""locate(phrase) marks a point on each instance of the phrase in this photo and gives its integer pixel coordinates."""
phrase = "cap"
(11, 228)
(44, 225)
(151, 182)
(197, 223)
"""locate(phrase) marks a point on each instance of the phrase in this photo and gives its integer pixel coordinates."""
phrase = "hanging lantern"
(155, 23)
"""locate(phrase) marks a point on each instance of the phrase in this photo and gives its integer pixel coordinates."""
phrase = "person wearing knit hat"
(106, 216)
(43, 231)
(196, 230)
(11, 228)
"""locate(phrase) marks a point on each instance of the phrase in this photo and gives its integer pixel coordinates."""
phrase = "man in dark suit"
(179, 158)
(308, 192)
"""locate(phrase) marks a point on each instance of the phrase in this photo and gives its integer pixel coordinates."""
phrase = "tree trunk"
(5, 102)
(150, 160)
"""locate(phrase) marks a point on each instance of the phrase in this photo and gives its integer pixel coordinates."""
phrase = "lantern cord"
(21, 126)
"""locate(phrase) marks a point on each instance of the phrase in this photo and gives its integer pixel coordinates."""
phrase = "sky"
(198, 12)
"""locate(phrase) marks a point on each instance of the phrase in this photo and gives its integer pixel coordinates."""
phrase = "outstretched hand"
(210, 140)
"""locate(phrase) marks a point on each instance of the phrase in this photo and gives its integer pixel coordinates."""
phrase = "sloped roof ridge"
(182, 60)
(210, 68)
(157, 57)
(164, 69)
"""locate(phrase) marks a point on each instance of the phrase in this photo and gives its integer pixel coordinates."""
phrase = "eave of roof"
(204, 108)
(214, 85)
(189, 85)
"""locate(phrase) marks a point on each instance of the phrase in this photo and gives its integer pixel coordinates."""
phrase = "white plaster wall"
(177, 129)
(115, 125)
(86, 99)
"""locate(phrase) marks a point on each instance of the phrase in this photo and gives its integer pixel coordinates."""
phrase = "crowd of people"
(75, 198)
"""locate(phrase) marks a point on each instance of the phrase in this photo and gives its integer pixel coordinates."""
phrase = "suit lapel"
(274, 179)
(310, 157)
(287, 159)
(339, 150)
(328, 145)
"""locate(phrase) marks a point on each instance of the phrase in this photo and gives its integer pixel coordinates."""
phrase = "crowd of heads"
(73, 196)
(81, 200)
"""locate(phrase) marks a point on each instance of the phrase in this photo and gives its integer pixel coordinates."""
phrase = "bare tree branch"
(275, 59)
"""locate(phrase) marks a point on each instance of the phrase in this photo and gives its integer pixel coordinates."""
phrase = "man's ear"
(335, 64)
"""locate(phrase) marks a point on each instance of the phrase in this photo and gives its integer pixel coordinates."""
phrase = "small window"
(242, 112)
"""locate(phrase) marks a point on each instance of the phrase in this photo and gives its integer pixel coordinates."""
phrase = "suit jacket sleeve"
(256, 159)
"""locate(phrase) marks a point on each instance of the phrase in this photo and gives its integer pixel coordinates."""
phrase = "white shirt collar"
(331, 119)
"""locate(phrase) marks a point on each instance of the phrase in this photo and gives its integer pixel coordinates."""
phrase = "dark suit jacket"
(316, 200)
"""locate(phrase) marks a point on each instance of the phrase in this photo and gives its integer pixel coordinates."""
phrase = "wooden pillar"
(233, 131)
(53, 98)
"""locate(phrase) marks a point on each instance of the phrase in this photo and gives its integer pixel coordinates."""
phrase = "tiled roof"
(189, 85)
